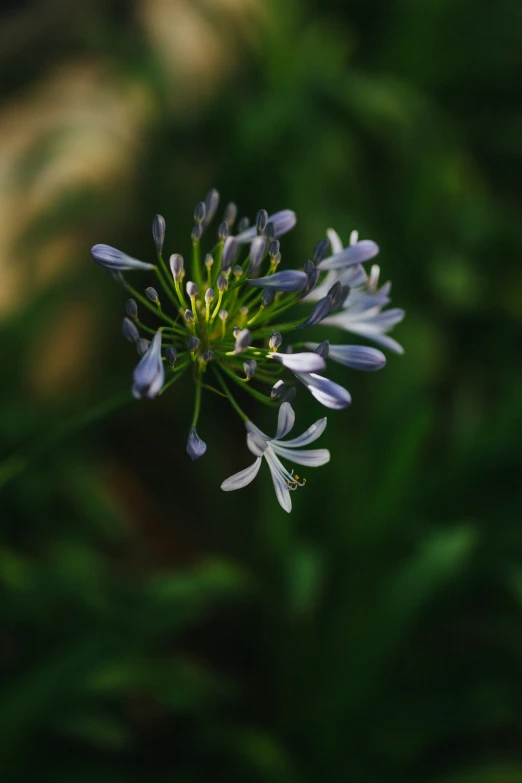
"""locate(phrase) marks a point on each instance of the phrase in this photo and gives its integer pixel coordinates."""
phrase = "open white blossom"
(272, 448)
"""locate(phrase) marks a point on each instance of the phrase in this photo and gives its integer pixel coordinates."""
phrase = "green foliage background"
(154, 629)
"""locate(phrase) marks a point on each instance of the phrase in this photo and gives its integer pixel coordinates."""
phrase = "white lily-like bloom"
(362, 311)
(271, 449)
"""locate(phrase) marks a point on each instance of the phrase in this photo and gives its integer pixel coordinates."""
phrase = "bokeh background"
(154, 629)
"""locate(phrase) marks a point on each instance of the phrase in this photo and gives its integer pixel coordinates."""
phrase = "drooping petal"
(359, 357)
(353, 254)
(283, 221)
(149, 373)
(280, 485)
(328, 393)
(313, 458)
(300, 362)
(285, 420)
(115, 260)
(288, 280)
(312, 433)
(243, 478)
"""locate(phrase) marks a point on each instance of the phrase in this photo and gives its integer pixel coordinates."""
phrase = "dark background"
(153, 628)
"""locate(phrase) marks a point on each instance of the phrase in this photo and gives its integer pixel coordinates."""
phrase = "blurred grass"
(153, 628)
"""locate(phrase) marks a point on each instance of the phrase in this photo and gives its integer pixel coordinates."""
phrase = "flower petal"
(256, 444)
(353, 254)
(288, 280)
(280, 486)
(285, 420)
(328, 393)
(313, 458)
(335, 241)
(243, 478)
(307, 361)
(149, 373)
(196, 447)
(312, 433)
(359, 357)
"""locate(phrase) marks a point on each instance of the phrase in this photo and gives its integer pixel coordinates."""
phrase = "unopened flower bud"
(243, 340)
(320, 251)
(208, 355)
(211, 205)
(308, 267)
(257, 252)
(269, 231)
(152, 295)
(275, 341)
(222, 283)
(192, 289)
(142, 346)
(223, 231)
(209, 295)
(193, 344)
(277, 389)
(267, 297)
(276, 260)
(230, 251)
(235, 331)
(177, 267)
(273, 248)
(230, 214)
(130, 330)
(238, 271)
(323, 349)
(118, 277)
(249, 366)
(131, 308)
(209, 261)
(171, 355)
(261, 220)
(196, 233)
(195, 446)
(199, 212)
(189, 316)
(223, 315)
(158, 232)
(242, 225)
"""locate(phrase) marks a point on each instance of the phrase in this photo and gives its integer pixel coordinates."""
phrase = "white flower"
(272, 448)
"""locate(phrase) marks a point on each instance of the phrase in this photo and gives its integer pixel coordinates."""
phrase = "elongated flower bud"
(223, 231)
(142, 346)
(193, 344)
(230, 213)
(222, 283)
(171, 355)
(115, 260)
(257, 251)
(158, 232)
(261, 220)
(130, 330)
(230, 251)
(267, 297)
(149, 375)
(211, 205)
(249, 366)
(131, 308)
(289, 280)
(209, 295)
(277, 389)
(283, 222)
(196, 233)
(323, 349)
(320, 311)
(177, 267)
(208, 355)
(320, 251)
(199, 212)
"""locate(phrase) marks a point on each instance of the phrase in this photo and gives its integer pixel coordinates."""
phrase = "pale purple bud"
(275, 341)
(243, 340)
(222, 283)
(149, 374)
(115, 260)
(209, 295)
(195, 446)
(230, 251)
(193, 344)
(196, 233)
(261, 220)
(199, 212)
(171, 355)
(230, 213)
(142, 346)
(257, 251)
(130, 330)
(304, 362)
(249, 366)
(277, 389)
(320, 311)
(158, 232)
(177, 267)
(192, 289)
(289, 280)
(152, 295)
(211, 205)
(131, 308)
(283, 222)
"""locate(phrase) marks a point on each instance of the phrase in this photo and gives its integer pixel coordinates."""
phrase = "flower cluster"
(223, 314)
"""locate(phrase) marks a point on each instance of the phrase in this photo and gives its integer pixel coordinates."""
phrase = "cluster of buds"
(224, 312)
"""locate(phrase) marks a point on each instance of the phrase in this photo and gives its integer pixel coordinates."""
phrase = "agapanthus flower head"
(220, 318)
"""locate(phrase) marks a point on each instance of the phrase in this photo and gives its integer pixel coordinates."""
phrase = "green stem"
(153, 308)
(228, 394)
(196, 263)
(197, 401)
(162, 273)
